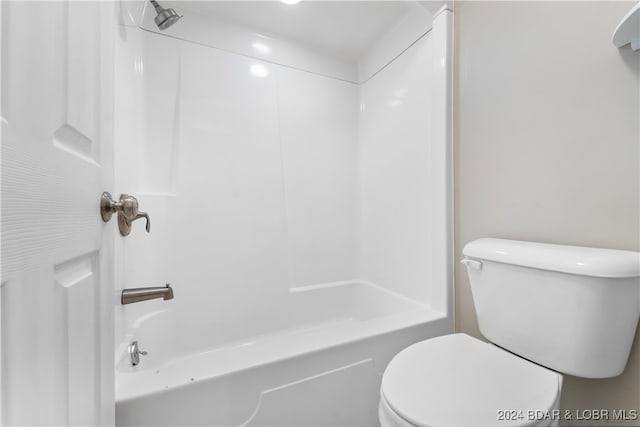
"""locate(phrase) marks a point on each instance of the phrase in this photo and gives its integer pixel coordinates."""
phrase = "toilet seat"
(457, 380)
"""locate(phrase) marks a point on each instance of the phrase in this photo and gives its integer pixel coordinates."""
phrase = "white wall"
(318, 133)
(249, 181)
(394, 177)
(405, 177)
(547, 131)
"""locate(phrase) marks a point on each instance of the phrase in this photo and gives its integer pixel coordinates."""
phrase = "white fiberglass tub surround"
(299, 195)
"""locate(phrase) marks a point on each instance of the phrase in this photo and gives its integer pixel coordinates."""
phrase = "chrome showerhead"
(165, 17)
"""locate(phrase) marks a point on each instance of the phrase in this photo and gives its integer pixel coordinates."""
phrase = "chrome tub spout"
(132, 295)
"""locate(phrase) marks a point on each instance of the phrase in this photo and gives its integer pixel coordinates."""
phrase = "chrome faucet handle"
(127, 210)
(135, 353)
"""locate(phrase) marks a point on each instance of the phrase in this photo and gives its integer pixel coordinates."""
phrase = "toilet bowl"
(457, 380)
(546, 310)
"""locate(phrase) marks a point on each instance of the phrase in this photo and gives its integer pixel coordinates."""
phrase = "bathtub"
(323, 368)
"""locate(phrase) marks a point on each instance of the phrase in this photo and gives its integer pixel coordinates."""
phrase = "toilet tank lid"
(584, 261)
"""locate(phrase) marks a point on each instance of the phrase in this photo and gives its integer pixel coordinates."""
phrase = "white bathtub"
(322, 369)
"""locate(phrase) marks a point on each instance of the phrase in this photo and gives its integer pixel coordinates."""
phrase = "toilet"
(545, 310)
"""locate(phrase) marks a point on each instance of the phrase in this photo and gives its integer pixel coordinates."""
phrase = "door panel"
(56, 294)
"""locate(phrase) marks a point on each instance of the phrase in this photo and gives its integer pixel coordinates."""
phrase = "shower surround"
(301, 211)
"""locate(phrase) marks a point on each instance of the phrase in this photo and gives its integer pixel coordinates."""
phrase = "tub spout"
(132, 295)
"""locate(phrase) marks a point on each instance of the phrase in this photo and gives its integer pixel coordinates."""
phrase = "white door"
(56, 295)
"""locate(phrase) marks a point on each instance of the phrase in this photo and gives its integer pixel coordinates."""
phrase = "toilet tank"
(572, 309)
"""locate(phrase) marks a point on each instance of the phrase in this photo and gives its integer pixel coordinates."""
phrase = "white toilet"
(548, 309)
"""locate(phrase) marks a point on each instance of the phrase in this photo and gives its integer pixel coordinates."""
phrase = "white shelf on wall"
(628, 30)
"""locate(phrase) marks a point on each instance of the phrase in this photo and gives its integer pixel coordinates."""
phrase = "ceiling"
(342, 29)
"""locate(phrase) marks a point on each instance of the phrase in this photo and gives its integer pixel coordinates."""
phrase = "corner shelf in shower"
(628, 30)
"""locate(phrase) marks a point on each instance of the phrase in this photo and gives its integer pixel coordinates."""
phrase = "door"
(56, 294)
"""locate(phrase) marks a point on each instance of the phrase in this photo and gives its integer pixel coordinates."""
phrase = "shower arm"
(156, 5)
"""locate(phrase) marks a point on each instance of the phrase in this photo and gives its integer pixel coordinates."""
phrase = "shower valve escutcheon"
(127, 210)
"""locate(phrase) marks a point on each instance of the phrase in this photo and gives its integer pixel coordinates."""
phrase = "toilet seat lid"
(459, 380)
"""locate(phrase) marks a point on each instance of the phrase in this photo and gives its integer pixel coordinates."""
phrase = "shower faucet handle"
(128, 213)
(145, 216)
(127, 210)
(128, 206)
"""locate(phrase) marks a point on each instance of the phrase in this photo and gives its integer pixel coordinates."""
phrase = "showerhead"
(165, 17)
